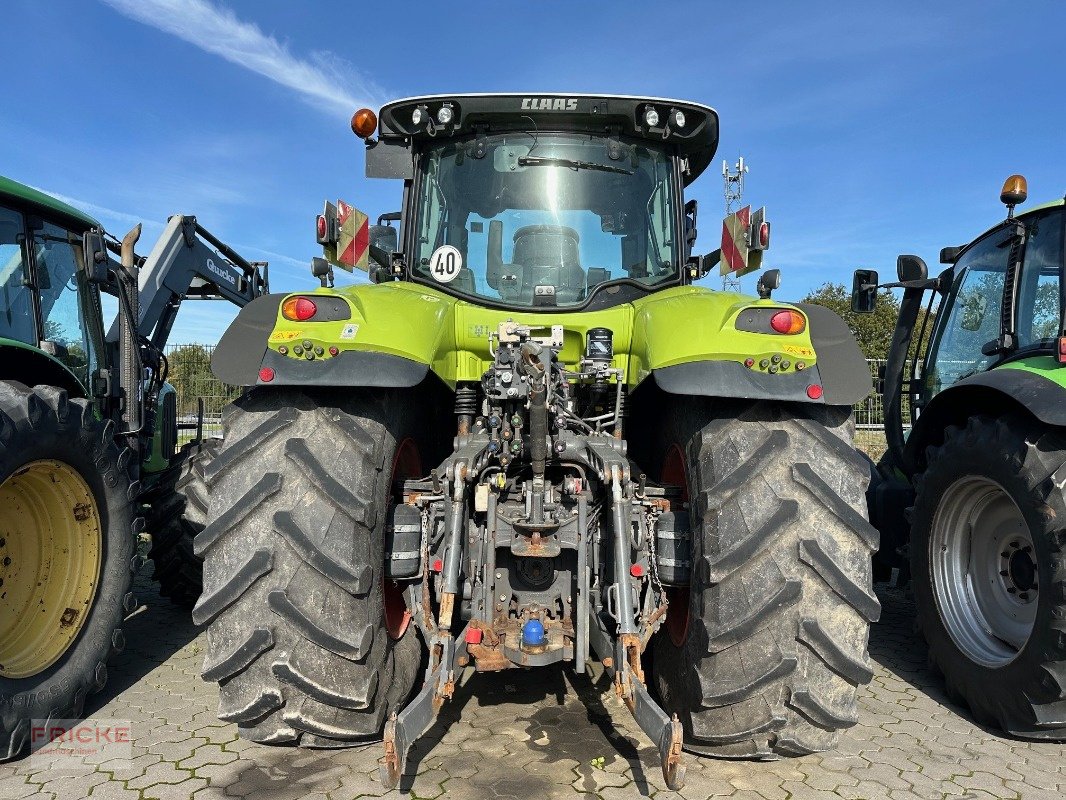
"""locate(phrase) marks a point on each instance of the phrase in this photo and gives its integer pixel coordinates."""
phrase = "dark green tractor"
(88, 442)
(971, 501)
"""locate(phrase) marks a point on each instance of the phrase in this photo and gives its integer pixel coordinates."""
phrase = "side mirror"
(911, 268)
(690, 224)
(384, 237)
(769, 281)
(95, 253)
(864, 291)
(949, 255)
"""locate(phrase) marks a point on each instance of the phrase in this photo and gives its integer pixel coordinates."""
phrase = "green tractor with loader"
(531, 439)
(970, 502)
(89, 452)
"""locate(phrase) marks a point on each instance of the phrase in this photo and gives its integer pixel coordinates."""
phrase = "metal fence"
(190, 374)
(199, 392)
(870, 413)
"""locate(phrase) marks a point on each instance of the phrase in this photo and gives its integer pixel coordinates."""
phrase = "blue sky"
(869, 132)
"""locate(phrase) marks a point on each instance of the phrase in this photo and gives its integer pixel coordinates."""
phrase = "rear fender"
(32, 367)
(1011, 388)
(693, 342)
(373, 338)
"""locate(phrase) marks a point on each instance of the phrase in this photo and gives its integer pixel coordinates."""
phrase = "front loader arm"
(189, 262)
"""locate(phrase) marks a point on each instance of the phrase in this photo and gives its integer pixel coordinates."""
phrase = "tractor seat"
(545, 255)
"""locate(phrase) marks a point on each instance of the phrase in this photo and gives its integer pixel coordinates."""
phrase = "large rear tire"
(294, 593)
(177, 515)
(988, 551)
(67, 556)
(763, 655)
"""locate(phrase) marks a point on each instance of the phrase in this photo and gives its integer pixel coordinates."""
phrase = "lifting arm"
(189, 262)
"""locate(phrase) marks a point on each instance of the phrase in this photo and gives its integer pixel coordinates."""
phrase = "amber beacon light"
(364, 123)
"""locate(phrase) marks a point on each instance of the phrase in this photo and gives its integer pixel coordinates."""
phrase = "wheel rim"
(51, 545)
(678, 613)
(984, 571)
(406, 463)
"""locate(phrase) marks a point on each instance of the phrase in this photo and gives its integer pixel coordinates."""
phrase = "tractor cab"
(997, 304)
(1002, 301)
(548, 202)
(47, 303)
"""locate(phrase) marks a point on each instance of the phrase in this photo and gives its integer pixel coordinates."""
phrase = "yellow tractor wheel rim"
(51, 542)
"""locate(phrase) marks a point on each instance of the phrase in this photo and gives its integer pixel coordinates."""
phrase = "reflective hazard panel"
(737, 255)
(353, 243)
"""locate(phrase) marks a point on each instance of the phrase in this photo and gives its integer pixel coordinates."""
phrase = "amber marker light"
(298, 309)
(364, 123)
(788, 322)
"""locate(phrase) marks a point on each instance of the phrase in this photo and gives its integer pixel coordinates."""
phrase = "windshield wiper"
(569, 163)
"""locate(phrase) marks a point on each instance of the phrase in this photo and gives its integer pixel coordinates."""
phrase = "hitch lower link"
(665, 731)
(449, 655)
(403, 729)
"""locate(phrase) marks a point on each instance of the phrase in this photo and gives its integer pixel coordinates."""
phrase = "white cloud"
(106, 215)
(326, 80)
(91, 208)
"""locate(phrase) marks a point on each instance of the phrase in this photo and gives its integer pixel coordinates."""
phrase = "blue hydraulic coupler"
(533, 633)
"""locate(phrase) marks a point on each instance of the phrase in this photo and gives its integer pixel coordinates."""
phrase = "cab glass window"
(67, 300)
(973, 317)
(16, 299)
(545, 219)
(1039, 292)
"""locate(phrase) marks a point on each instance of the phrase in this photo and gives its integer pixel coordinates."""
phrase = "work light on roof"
(418, 116)
(651, 116)
(445, 114)
(679, 118)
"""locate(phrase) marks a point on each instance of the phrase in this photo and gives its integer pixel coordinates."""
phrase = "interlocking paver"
(536, 734)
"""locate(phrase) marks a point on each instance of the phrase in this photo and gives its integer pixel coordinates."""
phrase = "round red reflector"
(299, 309)
(764, 234)
(814, 391)
(321, 226)
(364, 122)
(749, 362)
(333, 351)
(636, 570)
(789, 322)
(266, 374)
(438, 565)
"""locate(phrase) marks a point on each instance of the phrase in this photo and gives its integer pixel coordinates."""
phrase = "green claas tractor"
(971, 501)
(531, 440)
(88, 442)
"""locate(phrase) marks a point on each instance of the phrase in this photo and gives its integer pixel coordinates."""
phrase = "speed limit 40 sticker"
(445, 263)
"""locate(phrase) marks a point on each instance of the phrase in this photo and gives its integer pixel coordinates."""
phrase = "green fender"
(1035, 385)
(33, 367)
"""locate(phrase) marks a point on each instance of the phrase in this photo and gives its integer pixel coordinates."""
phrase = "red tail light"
(788, 322)
(299, 309)
(266, 374)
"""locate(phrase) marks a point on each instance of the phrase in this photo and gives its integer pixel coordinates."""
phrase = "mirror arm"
(928, 283)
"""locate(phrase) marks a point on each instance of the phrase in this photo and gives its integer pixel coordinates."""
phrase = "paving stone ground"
(537, 734)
